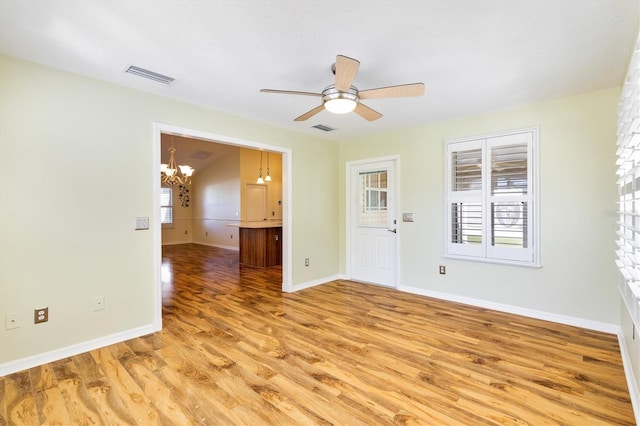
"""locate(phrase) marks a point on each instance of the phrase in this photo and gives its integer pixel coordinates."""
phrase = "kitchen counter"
(260, 244)
(255, 225)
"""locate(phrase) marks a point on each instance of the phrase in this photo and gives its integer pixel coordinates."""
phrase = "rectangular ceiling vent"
(323, 127)
(201, 155)
(150, 75)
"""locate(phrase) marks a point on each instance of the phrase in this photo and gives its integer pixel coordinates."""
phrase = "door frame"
(350, 211)
(158, 129)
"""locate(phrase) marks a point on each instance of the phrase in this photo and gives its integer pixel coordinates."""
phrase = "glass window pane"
(166, 205)
(466, 223)
(373, 199)
(509, 224)
(509, 170)
(466, 167)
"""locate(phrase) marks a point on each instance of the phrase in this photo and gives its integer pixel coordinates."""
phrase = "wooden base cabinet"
(261, 246)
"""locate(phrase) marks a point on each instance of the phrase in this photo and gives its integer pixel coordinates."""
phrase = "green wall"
(76, 168)
(577, 200)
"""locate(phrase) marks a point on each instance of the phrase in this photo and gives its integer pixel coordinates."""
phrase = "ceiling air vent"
(150, 75)
(323, 127)
(201, 155)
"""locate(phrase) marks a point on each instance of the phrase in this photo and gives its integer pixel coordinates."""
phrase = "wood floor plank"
(236, 350)
(81, 408)
(51, 407)
(20, 399)
(4, 419)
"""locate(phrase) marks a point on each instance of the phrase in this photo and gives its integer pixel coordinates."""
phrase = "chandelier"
(172, 174)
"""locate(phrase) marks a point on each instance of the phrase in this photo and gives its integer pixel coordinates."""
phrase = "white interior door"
(372, 230)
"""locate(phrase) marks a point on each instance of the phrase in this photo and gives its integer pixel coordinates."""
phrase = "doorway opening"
(158, 130)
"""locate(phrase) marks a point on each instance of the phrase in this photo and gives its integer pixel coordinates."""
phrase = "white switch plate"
(141, 223)
(407, 217)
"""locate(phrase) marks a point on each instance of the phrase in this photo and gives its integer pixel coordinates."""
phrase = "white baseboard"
(314, 283)
(532, 313)
(57, 354)
(234, 248)
(634, 392)
(176, 243)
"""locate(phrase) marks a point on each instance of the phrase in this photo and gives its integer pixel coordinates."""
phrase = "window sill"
(534, 265)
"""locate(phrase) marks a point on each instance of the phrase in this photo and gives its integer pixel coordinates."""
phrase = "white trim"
(634, 393)
(396, 200)
(470, 253)
(177, 243)
(317, 282)
(489, 260)
(201, 243)
(287, 213)
(517, 310)
(75, 349)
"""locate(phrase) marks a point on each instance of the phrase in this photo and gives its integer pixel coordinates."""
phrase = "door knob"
(392, 230)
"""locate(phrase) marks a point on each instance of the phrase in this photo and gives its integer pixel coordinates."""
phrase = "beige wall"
(216, 202)
(577, 195)
(67, 226)
(249, 171)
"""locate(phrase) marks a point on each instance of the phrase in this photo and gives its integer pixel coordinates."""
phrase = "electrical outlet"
(306, 262)
(11, 321)
(98, 304)
(443, 270)
(40, 315)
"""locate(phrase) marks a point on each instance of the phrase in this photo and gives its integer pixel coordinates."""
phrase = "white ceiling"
(474, 56)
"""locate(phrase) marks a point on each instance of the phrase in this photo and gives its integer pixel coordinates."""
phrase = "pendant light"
(268, 177)
(260, 180)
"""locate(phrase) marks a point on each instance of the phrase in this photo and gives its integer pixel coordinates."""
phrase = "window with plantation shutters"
(490, 198)
(628, 173)
(166, 205)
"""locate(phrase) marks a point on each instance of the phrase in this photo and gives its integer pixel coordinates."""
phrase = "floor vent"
(150, 75)
(323, 127)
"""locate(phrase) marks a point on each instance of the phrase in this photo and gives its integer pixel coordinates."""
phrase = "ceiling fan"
(342, 97)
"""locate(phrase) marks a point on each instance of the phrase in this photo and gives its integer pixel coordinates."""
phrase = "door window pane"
(372, 209)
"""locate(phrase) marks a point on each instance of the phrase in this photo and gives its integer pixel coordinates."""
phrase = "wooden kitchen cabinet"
(261, 246)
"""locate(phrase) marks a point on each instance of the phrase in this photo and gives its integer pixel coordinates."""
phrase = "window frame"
(172, 206)
(485, 251)
(628, 184)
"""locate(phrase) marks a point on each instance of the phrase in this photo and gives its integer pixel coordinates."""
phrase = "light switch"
(142, 223)
(407, 217)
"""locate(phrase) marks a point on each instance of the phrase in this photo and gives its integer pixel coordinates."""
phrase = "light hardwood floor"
(235, 350)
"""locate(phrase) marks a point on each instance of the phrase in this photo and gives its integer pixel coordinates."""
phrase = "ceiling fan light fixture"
(340, 106)
(339, 102)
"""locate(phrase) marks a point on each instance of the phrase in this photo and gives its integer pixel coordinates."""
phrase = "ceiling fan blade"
(310, 114)
(290, 92)
(346, 69)
(367, 113)
(402, 90)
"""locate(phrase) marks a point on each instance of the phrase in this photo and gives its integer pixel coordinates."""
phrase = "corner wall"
(68, 240)
(577, 280)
